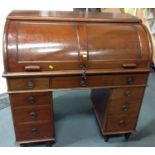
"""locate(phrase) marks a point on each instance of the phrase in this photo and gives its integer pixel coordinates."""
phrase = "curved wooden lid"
(72, 16)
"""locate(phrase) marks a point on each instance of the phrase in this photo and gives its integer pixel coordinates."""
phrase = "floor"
(75, 124)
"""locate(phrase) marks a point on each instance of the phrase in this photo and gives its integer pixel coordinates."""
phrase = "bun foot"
(24, 145)
(106, 138)
(127, 135)
(49, 143)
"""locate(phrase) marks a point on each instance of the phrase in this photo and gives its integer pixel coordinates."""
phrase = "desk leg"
(100, 99)
(127, 136)
(106, 138)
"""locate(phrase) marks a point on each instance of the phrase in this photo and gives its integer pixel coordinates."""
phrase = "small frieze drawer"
(30, 99)
(130, 79)
(28, 83)
(34, 131)
(32, 114)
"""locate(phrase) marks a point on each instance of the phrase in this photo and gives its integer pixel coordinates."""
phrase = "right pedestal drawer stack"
(117, 109)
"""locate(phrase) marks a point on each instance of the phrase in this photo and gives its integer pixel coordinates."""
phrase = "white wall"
(8, 5)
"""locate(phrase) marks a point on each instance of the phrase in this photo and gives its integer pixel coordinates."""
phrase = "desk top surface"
(72, 16)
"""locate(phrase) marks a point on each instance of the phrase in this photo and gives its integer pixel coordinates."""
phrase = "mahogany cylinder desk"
(46, 51)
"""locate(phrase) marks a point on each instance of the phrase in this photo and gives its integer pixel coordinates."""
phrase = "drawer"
(127, 93)
(34, 131)
(120, 123)
(131, 79)
(98, 81)
(31, 114)
(30, 99)
(75, 81)
(128, 107)
(28, 84)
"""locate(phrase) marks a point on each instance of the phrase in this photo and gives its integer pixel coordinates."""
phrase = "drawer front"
(32, 114)
(76, 81)
(124, 106)
(131, 79)
(28, 84)
(120, 123)
(127, 93)
(34, 131)
(98, 81)
(30, 99)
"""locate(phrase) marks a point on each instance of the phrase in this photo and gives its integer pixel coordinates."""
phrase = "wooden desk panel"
(46, 51)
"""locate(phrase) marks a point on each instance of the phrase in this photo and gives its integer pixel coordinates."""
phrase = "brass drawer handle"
(34, 131)
(124, 108)
(30, 85)
(127, 93)
(130, 81)
(32, 68)
(31, 99)
(33, 114)
(130, 65)
(122, 123)
(83, 83)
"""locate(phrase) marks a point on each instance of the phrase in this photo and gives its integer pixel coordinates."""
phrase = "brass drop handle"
(127, 93)
(130, 81)
(30, 85)
(31, 99)
(122, 123)
(33, 114)
(34, 131)
(124, 108)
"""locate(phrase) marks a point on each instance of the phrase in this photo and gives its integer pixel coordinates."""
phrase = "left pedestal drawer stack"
(32, 111)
